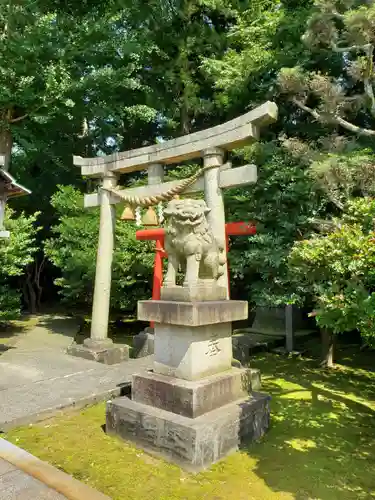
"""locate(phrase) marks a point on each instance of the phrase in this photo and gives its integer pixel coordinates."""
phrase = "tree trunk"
(29, 292)
(38, 286)
(32, 299)
(184, 116)
(32, 288)
(327, 348)
(6, 143)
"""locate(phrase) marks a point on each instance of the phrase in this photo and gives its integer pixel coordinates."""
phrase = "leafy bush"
(339, 270)
(281, 204)
(73, 251)
(15, 253)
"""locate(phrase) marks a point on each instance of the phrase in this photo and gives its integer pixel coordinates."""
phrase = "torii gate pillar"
(214, 199)
(211, 144)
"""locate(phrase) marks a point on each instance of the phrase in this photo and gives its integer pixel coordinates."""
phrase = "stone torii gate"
(210, 144)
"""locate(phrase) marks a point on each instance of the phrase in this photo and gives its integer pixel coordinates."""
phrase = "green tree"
(338, 270)
(195, 31)
(73, 251)
(72, 82)
(15, 254)
(265, 36)
(342, 100)
(281, 204)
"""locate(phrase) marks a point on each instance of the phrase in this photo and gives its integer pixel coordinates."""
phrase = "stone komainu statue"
(190, 243)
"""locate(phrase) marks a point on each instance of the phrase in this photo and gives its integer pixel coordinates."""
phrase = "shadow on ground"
(9, 332)
(322, 440)
(5, 348)
(120, 331)
(62, 325)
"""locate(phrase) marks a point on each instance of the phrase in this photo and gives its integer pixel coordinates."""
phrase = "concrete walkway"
(25, 477)
(37, 377)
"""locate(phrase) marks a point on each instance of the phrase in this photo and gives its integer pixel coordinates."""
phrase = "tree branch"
(325, 226)
(350, 48)
(366, 132)
(312, 112)
(334, 200)
(337, 14)
(369, 91)
(19, 118)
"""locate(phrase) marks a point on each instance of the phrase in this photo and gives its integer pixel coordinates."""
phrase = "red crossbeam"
(231, 229)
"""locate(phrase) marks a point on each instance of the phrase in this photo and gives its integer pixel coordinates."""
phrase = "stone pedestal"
(105, 352)
(143, 343)
(193, 408)
(192, 443)
(192, 399)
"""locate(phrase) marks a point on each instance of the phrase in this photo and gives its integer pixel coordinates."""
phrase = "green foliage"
(15, 253)
(339, 167)
(73, 250)
(343, 175)
(132, 267)
(185, 93)
(95, 78)
(338, 269)
(281, 204)
(42, 49)
(343, 31)
(253, 32)
(73, 81)
(265, 36)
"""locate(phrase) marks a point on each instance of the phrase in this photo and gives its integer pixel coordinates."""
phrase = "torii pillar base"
(105, 351)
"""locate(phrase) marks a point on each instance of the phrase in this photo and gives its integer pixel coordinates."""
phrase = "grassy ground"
(321, 444)
(10, 332)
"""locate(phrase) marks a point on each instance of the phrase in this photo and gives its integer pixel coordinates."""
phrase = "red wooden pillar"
(158, 236)
(158, 269)
(227, 250)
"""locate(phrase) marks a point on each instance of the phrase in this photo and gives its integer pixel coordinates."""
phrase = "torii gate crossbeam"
(211, 145)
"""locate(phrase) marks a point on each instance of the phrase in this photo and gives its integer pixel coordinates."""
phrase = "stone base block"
(194, 444)
(105, 352)
(192, 399)
(205, 290)
(143, 343)
(209, 312)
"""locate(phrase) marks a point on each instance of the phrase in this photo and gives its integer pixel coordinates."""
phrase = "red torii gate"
(231, 229)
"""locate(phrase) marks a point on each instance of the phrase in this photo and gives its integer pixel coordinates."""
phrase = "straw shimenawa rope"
(148, 201)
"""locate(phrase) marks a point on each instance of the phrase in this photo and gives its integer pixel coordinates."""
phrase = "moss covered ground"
(321, 444)
(9, 332)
